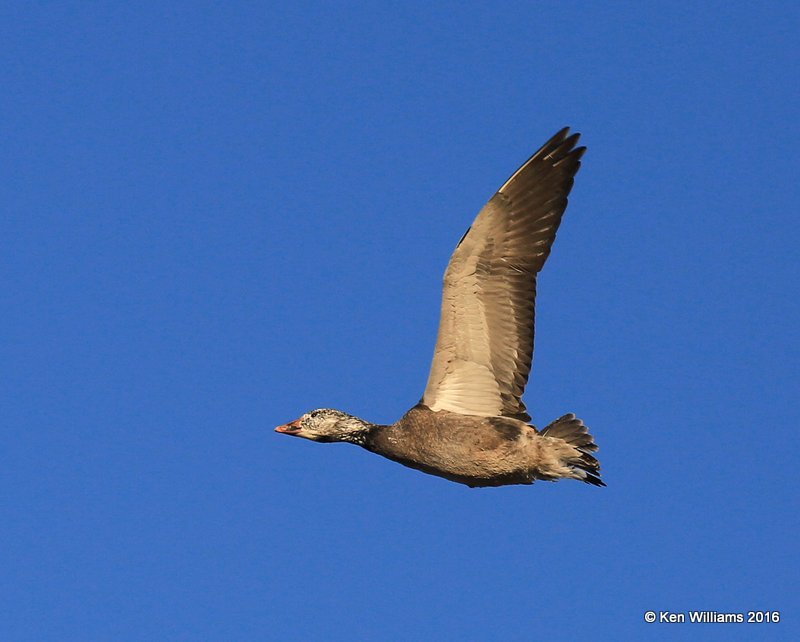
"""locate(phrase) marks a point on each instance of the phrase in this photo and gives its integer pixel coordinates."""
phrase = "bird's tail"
(571, 429)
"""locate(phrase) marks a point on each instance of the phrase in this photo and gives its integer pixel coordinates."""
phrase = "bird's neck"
(357, 431)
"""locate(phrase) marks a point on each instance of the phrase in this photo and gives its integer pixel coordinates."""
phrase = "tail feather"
(571, 430)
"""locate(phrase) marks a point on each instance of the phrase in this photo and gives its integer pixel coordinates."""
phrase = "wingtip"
(557, 139)
(562, 145)
(559, 147)
(564, 133)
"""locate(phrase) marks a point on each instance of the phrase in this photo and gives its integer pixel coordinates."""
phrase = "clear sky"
(217, 216)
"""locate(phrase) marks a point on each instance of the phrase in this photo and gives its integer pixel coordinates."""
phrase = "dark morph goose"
(471, 426)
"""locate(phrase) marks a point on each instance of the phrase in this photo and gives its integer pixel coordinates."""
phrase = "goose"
(471, 426)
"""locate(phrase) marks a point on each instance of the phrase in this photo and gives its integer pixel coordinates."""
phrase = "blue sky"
(217, 216)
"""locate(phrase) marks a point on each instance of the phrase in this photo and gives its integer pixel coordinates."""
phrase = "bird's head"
(326, 425)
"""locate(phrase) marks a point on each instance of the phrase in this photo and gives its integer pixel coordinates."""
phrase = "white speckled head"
(326, 425)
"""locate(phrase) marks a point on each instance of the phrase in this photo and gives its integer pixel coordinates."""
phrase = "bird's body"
(471, 426)
(476, 451)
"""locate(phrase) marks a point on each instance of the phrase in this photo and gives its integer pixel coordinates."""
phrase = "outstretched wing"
(485, 343)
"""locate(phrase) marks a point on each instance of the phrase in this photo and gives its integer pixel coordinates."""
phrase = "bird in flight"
(471, 425)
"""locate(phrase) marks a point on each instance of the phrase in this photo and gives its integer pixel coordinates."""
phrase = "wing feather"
(484, 348)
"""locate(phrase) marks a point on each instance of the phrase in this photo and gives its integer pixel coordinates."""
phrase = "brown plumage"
(471, 426)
